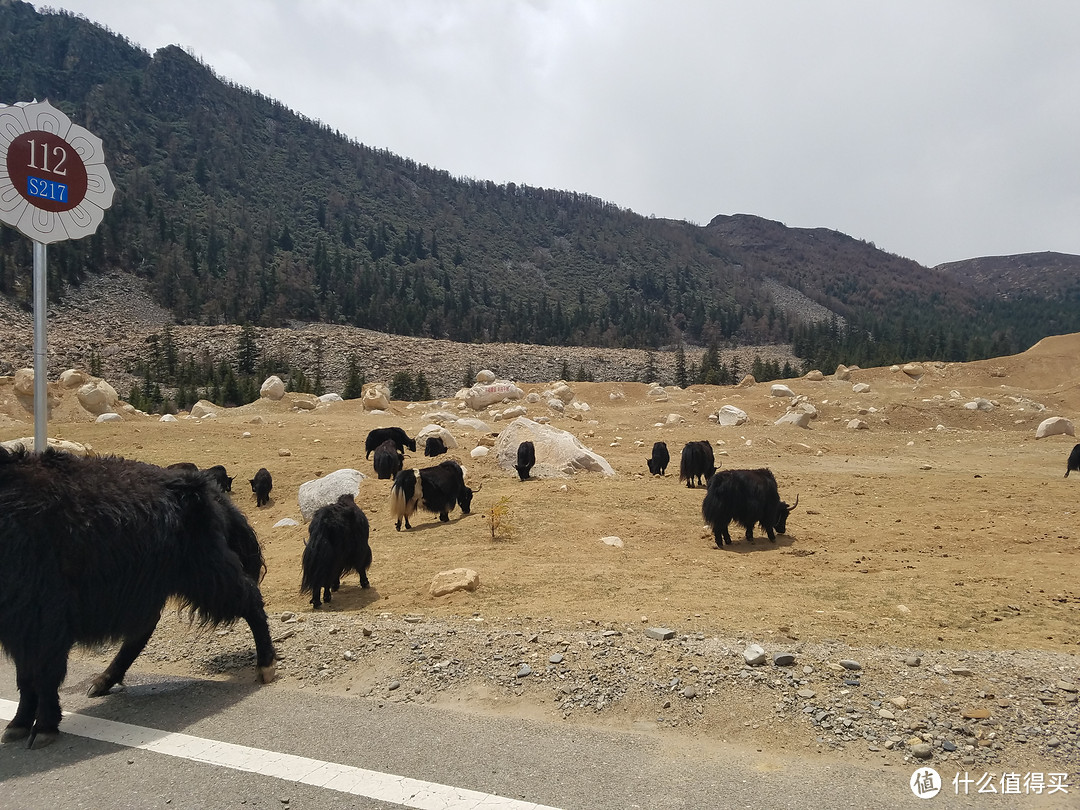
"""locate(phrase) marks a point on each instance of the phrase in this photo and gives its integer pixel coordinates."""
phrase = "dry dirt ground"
(939, 531)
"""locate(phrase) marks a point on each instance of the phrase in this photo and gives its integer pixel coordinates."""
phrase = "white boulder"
(796, 418)
(473, 424)
(557, 452)
(1055, 426)
(326, 399)
(24, 382)
(730, 416)
(322, 491)
(979, 404)
(814, 376)
(857, 424)
(73, 378)
(480, 396)
(168, 418)
(860, 388)
(272, 388)
(658, 394)
(110, 417)
(842, 372)
(98, 397)
(203, 407)
(913, 369)
(780, 390)
(485, 376)
(376, 397)
(458, 579)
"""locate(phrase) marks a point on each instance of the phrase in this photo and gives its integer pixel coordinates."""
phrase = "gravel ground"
(977, 711)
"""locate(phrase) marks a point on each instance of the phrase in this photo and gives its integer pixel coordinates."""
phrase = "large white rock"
(203, 407)
(979, 404)
(27, 442)
(98, 397)
(512, 412)
(458, 579)
(322, 491)
(439, 416)
(860, 388)
(561, 391)
(913, 369)
(780, 390)
(24, 382)
(842, 372)
(480, 396)
(376, 397)
(272, 388)
(557, 452)
(326, 399)
(1055, 426)
(485, 376)
(814, 376)
(168, 418)
(429, 431)
(73, 378)
(473, 424)
(730, 416)
(796, 418)
(657, 394)
(110, 417)
(747, 381)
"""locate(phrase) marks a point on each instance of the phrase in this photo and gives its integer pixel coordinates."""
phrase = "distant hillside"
(1046, 275)
(235, 209)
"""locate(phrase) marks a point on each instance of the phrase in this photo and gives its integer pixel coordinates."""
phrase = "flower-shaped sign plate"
(53, 181)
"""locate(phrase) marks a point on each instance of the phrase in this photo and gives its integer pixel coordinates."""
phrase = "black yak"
(660, 459)
(1074, 461)
(388, 459)
(747, 497)
(394, 434)
(261, 485)
(90, 551)
(434, 446)
(185, 466)
(436, 488)
(219, 476)
(337, 543)
(696, 463)
(526, 458)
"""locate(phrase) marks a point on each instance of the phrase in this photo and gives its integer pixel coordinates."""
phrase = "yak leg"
(750, 533)
(363, 579)
(23, 721)
(125, 656)
(47, 718)
(255, 616)
(771, 533)
(444, 517)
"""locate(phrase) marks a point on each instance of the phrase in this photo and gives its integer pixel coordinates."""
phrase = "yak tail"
(403, 504)
(315, 565)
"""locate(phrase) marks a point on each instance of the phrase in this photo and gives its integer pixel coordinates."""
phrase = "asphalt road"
(527, 762)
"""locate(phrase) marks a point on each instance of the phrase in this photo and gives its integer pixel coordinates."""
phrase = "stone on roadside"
(754, 655)
(457, 579)
(1054, 426)
(659, 633)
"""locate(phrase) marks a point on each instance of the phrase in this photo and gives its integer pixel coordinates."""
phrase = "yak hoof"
(40, 739)
(267, 674)
(99, 687)
(14, 734)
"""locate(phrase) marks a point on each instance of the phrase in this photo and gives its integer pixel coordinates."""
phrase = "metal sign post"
(54, 185)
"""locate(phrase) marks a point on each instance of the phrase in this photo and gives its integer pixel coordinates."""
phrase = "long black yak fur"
(388, 460)
(526, 460)
(337, 543)
(660, 459)
(1074, 461)
(436, 489)
(394, 434)
(90, 551)
(434, 446)
(696, 462)
(261, 485)
(748, 497)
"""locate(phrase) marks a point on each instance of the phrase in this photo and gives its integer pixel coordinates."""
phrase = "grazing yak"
(394, 434)
(90, 551)
(219, 476)
(696, 463)
(388, 460)
(337, 543)
(660, 459)
(436, 489)
(434, 446)
(1074, 461)
(747, 497)
(261, 485)
(526, 459)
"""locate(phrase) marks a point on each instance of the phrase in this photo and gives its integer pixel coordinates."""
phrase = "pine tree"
(402, 387)
(354, 381)
(680, 367)
(247, 351)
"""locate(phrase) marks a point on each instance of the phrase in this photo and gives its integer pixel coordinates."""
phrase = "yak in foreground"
(436, 489)
(388, 460)
(91, 549)
(660, 459)
(747, 497)
(337, 543)
(696, 463)
(1074, 461)
(261, 485)
(526, 460)
(394, 434)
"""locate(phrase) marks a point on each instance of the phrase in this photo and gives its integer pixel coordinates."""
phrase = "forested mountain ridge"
(238, 210)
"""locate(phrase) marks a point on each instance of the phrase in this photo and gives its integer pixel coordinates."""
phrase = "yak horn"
(479, 487)
(792, 508)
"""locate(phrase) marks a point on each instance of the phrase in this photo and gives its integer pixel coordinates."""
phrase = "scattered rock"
(659, 633)
(754, 655)
(457, 579)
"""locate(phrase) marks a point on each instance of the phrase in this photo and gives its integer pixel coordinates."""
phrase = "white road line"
(384, 787)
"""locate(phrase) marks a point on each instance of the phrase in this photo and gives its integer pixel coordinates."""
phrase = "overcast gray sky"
(938, 129)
